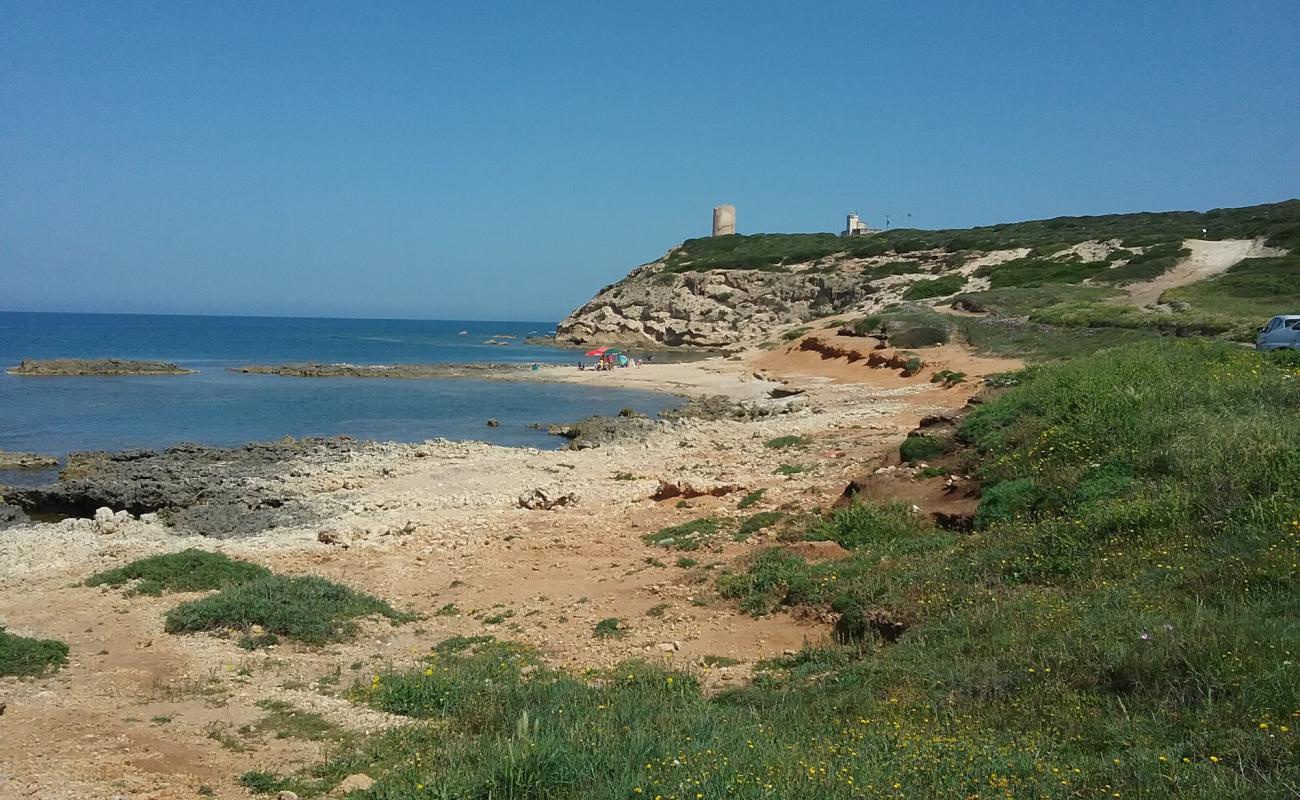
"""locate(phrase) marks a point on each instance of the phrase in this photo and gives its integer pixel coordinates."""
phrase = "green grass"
(789, 469)
(757, 522)
(186, 571)
(794, 333)
(782, 442)
(26, 657)
(1124, 620)
(687, 536)
(750, 499)
(309, 609)
(936, 287)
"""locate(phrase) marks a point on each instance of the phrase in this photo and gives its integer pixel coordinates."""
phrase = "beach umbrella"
(599, 351)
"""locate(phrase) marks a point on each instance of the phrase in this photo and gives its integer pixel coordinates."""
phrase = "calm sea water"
(64, 414)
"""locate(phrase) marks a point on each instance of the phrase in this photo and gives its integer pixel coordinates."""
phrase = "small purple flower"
(1145, 636)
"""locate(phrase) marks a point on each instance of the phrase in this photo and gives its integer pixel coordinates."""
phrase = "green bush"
(919, 448)
(610, 628)
(309, 609)
(750, 499)
(22, 656)
(186, 571)
(937, 287)
(864, 524)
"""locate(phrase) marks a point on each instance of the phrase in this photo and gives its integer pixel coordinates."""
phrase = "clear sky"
(504, 160)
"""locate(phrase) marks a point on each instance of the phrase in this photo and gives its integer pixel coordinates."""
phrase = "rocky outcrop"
(96, 367)
(10, 460)
(213, 491)
(715, 308)
(314, 370)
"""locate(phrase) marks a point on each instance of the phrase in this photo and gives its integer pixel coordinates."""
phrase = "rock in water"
(26, 461)
(96, 366)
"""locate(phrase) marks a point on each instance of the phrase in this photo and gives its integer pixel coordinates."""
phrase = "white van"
(1281, 333)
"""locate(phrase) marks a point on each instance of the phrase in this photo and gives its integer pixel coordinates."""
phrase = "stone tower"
(724, 220)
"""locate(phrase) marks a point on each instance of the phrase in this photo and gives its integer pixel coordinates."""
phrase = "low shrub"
(687, 536)
(26, 657)
(757, 522)
(309, 609)
(937, 287)
(750, 499)
(187, 571)
(782, 442)
(610, 628)
(918, 448)
(864, 524)
(794, 333)
(892, 268)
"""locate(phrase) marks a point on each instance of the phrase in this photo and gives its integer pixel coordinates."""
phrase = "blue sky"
(505, 160)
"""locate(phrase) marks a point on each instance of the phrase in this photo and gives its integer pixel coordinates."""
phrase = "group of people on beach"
(604, 364)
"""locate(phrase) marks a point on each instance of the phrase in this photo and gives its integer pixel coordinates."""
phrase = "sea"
(214, 406)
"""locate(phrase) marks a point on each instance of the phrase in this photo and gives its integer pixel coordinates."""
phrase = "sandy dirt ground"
(138, 713)
(1208, 258)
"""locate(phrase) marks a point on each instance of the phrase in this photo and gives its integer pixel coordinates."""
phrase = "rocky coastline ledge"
(12, 460)
(95, 367)
(344, 370)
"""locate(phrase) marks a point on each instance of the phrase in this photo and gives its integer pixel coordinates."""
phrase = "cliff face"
(713, 308)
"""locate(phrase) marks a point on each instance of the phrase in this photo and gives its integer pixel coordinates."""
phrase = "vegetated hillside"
(1124, 620)
(721, 291)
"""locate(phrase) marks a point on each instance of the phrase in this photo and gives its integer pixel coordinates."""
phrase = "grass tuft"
(309, 609)
(26, 657)
(187, 571)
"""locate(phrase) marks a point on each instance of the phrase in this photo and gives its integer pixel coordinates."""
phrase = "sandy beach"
(434, 527)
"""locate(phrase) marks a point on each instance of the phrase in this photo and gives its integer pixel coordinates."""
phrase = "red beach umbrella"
(599, 351)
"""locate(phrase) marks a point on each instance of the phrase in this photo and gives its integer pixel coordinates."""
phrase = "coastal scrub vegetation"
(935, 287)
(1277, 223)
(1121, 621)
(309, 609)
(189, 570)
(26, 657)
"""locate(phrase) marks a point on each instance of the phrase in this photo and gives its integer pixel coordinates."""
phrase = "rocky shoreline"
(98, 367)
(9, 460)
(406, 371)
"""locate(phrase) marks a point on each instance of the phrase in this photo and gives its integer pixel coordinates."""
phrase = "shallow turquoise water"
(64, 414)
